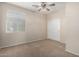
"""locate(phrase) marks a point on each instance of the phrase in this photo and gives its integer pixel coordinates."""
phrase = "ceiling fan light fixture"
(44, 7)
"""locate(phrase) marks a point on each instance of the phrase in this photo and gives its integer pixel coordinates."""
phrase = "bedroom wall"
(71, 28)
(35, 28)
(54, 25)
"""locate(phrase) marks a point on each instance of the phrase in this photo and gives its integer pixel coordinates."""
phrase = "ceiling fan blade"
(39, 9)
(53, 4)
(47, 9)
(36, 6)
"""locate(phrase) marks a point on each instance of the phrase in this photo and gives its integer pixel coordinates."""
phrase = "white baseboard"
(72, 52)
(24, 42)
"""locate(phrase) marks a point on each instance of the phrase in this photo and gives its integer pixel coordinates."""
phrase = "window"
(15, 21)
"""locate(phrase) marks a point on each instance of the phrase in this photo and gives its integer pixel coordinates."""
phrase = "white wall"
(35, 27)
(54, 25)
(68, 33)
(71, 28)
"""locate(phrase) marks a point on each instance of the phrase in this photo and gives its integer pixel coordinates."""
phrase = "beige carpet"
(42, 48)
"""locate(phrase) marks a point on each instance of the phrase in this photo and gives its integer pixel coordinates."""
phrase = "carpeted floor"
(42, 48)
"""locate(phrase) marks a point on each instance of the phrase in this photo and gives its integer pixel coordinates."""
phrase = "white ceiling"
(28, 5)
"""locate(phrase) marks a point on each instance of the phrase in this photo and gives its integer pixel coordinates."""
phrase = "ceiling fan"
(44, 6)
